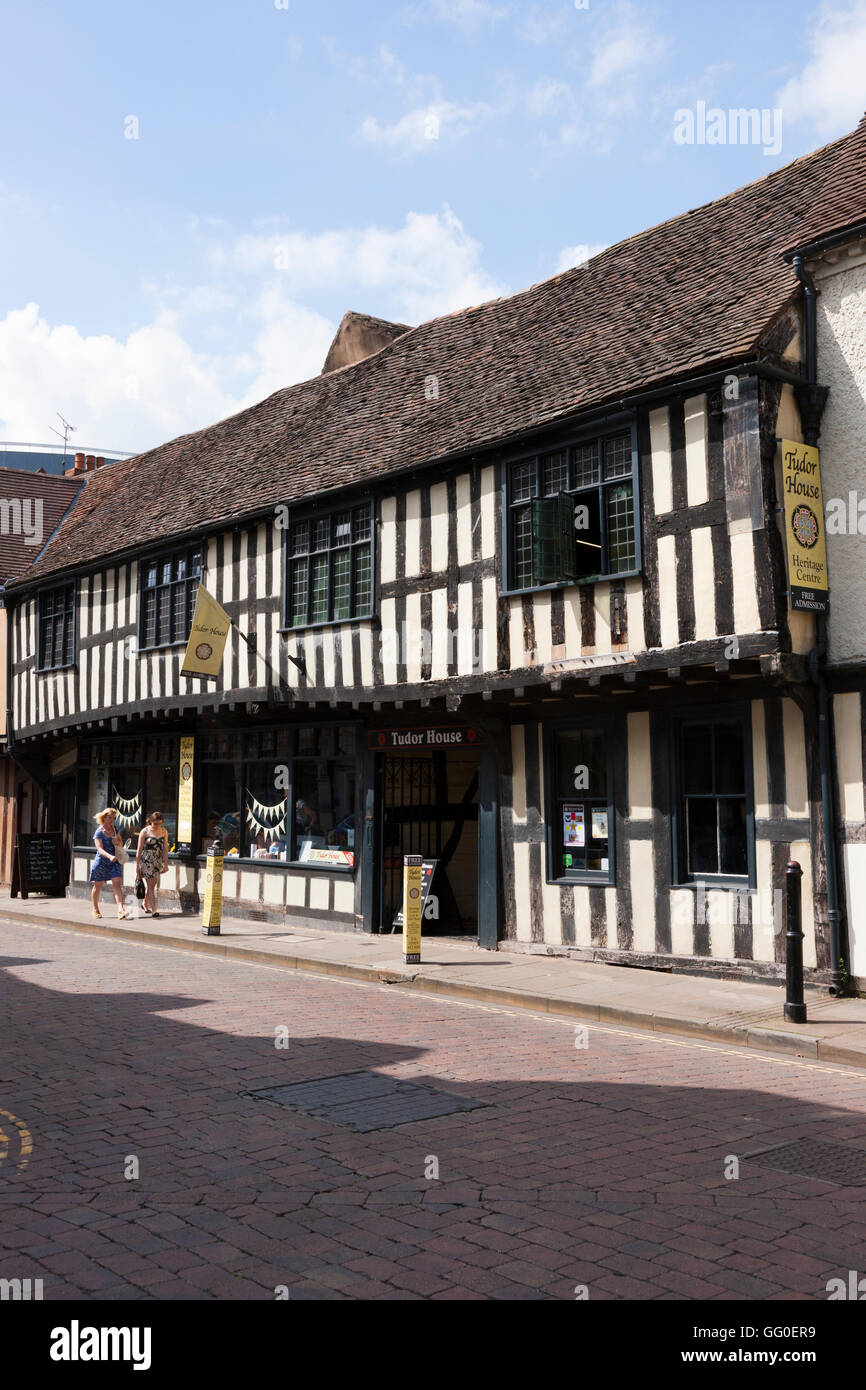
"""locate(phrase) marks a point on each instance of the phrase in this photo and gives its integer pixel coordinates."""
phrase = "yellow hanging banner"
(805, 537)
(183, 842)
(207, 639)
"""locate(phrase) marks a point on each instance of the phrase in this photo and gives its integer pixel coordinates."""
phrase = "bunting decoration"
(269, 821)
(128, 811)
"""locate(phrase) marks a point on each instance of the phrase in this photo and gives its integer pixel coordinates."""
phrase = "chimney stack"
(100, 461)
(90, 462)
(78, 467)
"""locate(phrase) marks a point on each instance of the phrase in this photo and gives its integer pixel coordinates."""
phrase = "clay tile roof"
(22, 488)
(691, 293)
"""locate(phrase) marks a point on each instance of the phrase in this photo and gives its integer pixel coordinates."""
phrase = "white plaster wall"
(842, 367)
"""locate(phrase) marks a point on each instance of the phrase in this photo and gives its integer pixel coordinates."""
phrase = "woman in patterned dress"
(151, 859)
(106, 868)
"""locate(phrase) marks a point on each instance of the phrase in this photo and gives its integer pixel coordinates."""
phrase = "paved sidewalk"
(750, 1015)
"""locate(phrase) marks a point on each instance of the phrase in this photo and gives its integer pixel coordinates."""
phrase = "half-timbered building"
(508, 591)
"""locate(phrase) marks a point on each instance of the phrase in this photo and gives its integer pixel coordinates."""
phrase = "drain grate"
(366, 1100)
(814, 1158)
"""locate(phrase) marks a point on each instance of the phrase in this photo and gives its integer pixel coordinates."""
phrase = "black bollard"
(795, 1009)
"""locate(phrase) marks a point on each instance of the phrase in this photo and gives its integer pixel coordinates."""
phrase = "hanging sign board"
(39, 865)
(805, 538)
(183, 844)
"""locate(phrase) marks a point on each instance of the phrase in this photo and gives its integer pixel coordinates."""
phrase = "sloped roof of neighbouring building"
(24, 525)
(696, 291)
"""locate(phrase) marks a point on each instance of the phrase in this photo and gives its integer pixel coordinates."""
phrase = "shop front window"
(324, 812)
(282, 796)
(222, 807)
(160, 782)
(266, 813)
(137, 776)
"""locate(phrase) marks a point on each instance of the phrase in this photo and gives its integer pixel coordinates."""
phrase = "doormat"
(366, 1100)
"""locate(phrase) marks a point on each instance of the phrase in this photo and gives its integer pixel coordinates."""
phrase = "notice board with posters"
(40, 865)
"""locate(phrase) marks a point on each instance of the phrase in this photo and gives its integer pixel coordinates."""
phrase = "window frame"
(311, 515)
(574, 440)
(241, 764)
(69, 616)
(598, 878)
(159, 557)
(741, 713)
(117, 765)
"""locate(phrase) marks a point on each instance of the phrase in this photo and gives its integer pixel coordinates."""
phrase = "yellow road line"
(25, 1141)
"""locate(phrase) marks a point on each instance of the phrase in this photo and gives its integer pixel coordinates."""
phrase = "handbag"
(120, 854)
(139, 887)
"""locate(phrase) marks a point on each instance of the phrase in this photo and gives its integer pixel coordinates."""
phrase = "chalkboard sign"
(40, 865)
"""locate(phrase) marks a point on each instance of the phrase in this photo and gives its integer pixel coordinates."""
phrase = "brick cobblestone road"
(601, 1166)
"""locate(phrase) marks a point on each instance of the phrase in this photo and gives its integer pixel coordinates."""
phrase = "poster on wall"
(573, 827)
(804, 527)
(185, 783)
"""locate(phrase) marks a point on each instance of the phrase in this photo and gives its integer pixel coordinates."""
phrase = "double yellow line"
(25, 1141)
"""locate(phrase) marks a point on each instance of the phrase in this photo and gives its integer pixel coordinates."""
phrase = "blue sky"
(296, 158)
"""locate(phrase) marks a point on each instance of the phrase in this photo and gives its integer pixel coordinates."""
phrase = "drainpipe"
(811, 403)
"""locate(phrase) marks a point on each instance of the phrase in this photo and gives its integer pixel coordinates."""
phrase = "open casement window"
(573, 514)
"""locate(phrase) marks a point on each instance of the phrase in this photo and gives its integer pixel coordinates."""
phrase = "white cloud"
(466, 14)
(419, 131)
(624, 48)
(543, 23)
(572, 256)
(829, 93)
(429, 266)
(120, 395)
(549, 97)
(137, 392)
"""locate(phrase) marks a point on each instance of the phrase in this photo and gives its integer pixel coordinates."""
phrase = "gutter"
(813, 400)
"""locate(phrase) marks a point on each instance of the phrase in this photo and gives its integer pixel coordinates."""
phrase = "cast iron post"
(795, 1009)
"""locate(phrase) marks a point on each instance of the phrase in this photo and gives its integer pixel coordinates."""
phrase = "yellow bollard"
(412, 909)
(213, 890)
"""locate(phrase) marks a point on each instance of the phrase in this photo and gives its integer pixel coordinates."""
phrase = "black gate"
(419, 818)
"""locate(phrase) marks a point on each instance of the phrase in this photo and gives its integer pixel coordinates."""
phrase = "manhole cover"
(366, 1100)
(813, 1158)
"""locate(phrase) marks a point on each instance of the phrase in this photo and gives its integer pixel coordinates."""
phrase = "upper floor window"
(57, 628)
(169, 584)
(329, 567)
(572, 514)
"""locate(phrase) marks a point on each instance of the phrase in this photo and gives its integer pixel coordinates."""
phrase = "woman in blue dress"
(106, 867)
